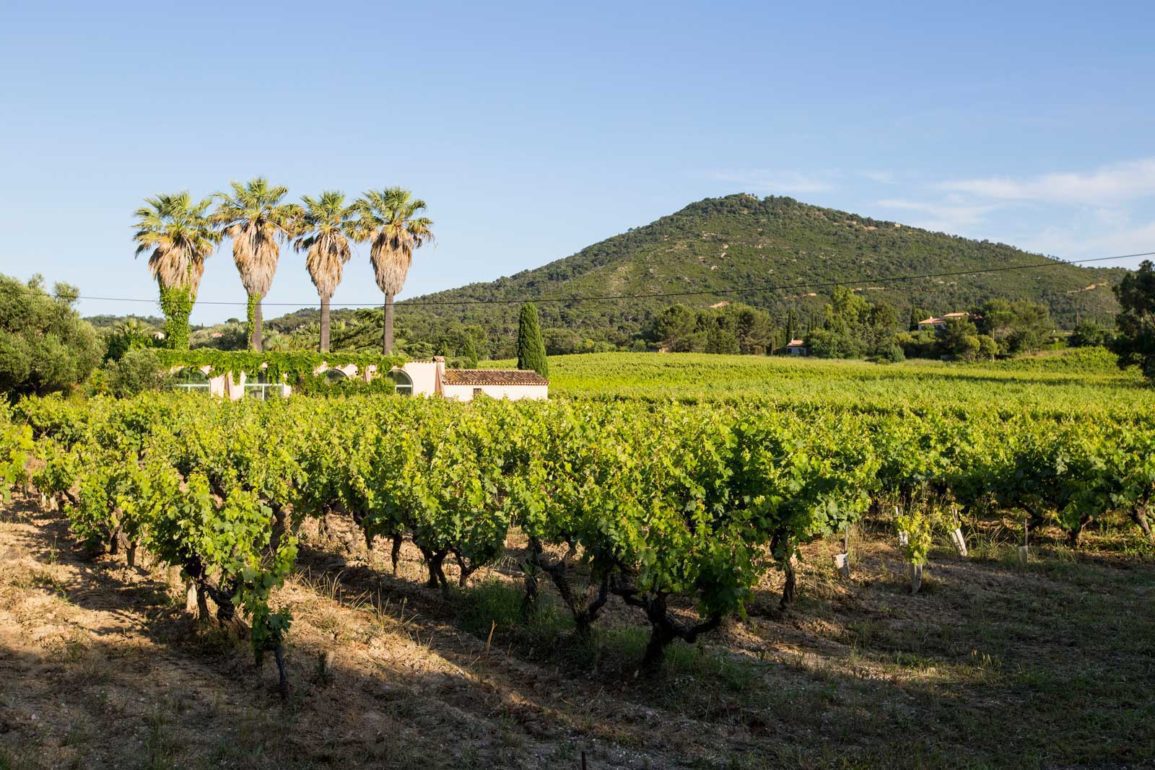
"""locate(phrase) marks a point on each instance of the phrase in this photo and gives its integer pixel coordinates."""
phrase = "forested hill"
(742, 248)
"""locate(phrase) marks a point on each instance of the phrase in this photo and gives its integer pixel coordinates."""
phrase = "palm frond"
(180, 235)
(257, 222)
(326, 225)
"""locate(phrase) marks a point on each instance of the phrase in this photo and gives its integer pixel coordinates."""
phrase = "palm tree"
(181, 236)
(325, 226)
(387, 219)
(256, 220)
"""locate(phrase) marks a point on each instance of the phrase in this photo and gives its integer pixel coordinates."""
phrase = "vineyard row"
(659, 505)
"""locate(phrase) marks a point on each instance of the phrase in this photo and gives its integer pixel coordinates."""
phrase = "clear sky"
(534, 129)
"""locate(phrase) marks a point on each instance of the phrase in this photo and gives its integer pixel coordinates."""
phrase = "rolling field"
(1070, 379)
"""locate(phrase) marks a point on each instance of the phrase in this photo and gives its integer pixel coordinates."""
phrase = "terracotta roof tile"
(479, 377)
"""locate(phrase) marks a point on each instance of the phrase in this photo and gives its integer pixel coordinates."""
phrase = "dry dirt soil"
(993, 664)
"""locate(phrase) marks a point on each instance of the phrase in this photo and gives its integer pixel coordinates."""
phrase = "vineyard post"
(842, 560)
(956, 534)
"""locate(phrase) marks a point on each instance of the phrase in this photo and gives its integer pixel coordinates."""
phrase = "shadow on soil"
(993, 666)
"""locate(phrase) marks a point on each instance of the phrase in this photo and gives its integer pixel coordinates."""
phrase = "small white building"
(796, 347)
(940, 323)
(416, 378)
(431, 378)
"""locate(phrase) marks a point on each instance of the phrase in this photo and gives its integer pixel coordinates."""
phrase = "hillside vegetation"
(741, 249)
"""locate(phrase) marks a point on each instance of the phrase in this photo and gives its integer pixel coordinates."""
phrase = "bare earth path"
(993, 665)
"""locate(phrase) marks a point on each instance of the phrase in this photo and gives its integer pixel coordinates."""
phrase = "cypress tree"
(469, 351)
(530, 346)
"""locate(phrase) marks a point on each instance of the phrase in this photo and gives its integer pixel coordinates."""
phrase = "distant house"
(938, 323)
(430, 378)
(416, 378)
(930, 323)
(796, 348)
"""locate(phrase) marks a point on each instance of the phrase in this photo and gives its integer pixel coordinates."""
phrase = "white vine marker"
(842, 564)
(960, 543)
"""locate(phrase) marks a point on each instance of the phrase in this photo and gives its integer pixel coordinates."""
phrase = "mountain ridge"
(740, 248)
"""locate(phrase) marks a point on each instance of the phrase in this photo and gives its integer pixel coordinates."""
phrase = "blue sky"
(535, 129)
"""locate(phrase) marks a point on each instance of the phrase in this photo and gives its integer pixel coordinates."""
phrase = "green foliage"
(1084, 383)
(44, 345)
(296, 366)
(251, 310)
(1016, 326)
(917, 527)
(461, 344)
(1135, 343)
(129, 335)
(824, 343)
(530, 346)
(728, 328)
(721, 337)
(16, 448)
(892, 354)
(959, 338)
(676, 330)
(745, 247)
(853, 328)
(135, 372)
(1089, 334)
(176, 303)
(662, 504)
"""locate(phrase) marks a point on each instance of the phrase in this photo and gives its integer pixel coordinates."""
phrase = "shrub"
(44, 345)
(892, 354)
(135, 372)
(1135, 343)
(1090, 335)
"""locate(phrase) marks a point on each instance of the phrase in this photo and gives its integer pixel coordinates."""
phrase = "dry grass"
(1046, 664)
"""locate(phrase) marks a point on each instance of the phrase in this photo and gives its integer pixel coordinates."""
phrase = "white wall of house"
(426, 376)
(512, 392)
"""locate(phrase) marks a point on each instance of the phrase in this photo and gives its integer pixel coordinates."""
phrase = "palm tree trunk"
(388, 341)
(257, 342)
(324, 324)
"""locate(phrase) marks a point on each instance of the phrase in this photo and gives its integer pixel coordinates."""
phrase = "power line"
(660, 294)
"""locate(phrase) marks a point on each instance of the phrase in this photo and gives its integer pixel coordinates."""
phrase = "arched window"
(262, 386)
(404, 382)
(191, 379)
(335, 375)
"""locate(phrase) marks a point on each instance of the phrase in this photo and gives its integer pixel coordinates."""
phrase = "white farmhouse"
(431, 378)
(416, 378)
(796, 347)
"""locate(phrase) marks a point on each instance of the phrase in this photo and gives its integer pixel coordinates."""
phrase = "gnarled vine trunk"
(664, 628)
(585, 609)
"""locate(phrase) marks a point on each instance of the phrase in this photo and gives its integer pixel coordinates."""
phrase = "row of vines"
(661, 507)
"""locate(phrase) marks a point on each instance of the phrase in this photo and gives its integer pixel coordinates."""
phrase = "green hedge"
(295, 365)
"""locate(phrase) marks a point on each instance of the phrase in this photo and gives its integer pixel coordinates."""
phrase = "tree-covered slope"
(742, 249)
